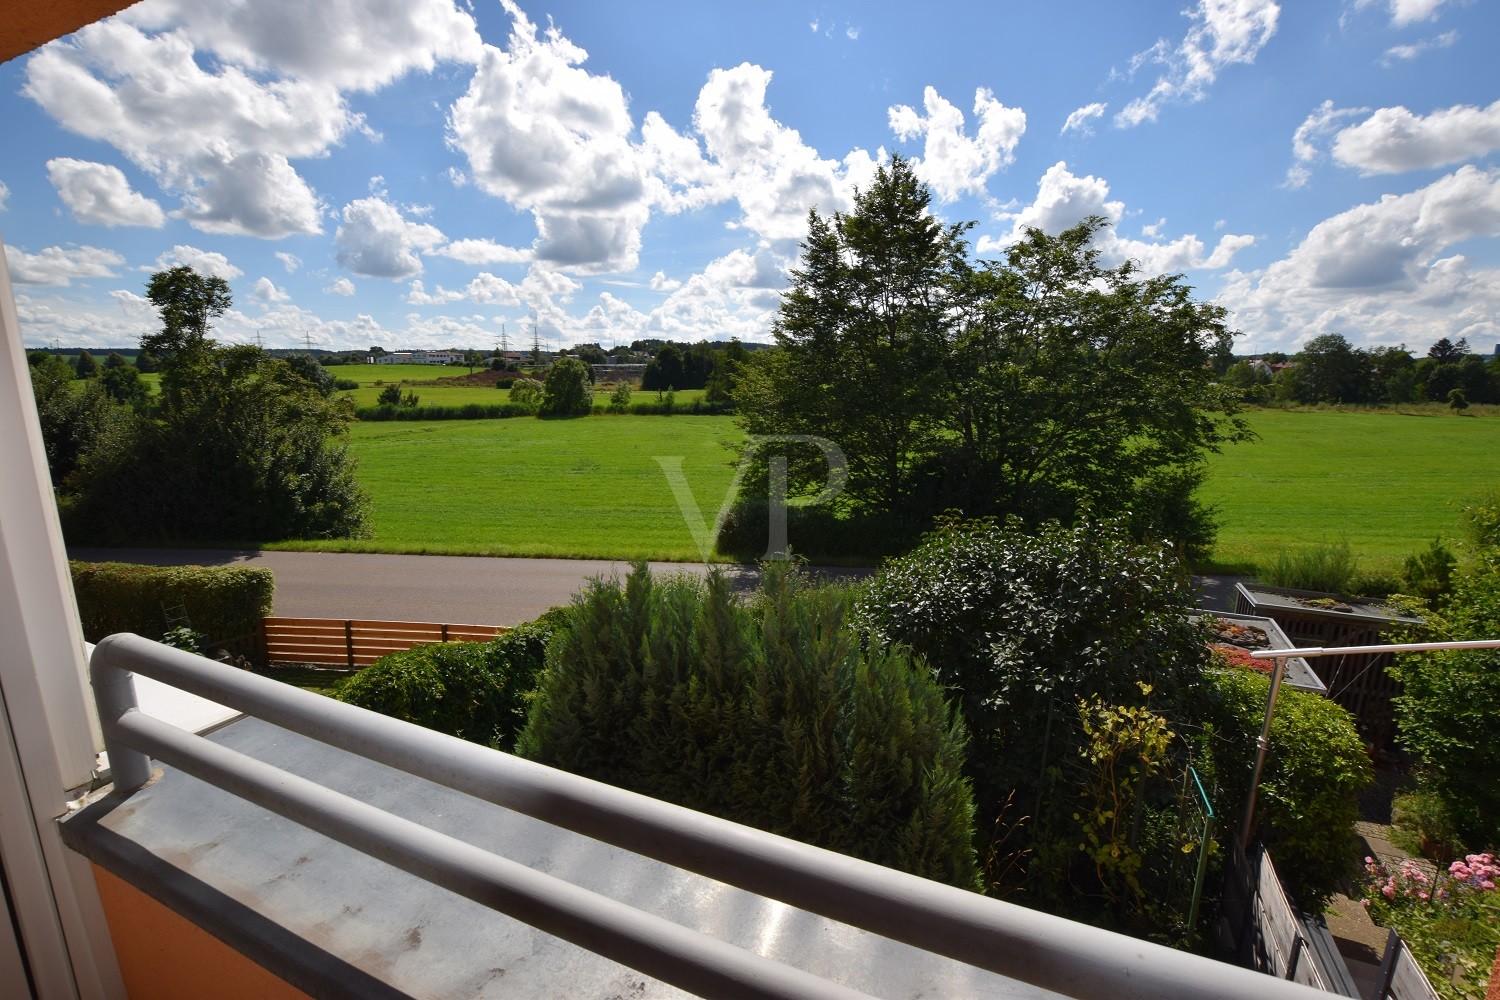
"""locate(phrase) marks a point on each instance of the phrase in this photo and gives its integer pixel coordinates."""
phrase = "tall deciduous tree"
(188, 302)
(864, 333)
(1037, 385)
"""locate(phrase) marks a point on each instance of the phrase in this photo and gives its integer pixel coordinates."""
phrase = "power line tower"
(307, 340)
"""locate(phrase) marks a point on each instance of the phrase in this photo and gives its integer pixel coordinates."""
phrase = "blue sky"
(415, 173)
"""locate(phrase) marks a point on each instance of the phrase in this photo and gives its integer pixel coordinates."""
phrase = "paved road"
(475, 590)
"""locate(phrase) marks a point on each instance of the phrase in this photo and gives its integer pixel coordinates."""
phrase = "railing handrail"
(1312, 652)
(1026, 945)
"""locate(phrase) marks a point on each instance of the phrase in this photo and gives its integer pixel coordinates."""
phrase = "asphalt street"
(470, 590)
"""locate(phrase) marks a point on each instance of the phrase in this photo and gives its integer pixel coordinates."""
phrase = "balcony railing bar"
(647, 943)
(1399, 647)
(1037, 948)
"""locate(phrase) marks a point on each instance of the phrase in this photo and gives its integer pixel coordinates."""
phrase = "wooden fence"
(352, 644)
(1259, 929)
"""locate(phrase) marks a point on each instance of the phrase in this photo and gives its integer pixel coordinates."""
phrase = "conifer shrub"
(477, 691)
(775, 714)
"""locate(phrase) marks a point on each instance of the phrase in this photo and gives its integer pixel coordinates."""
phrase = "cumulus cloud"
(376, 241)
(290, 261)
(203, 261)
(341, 286)
(1223, 33)
(1309, 140)
(99, 194)
(1405, 53)
(220, 137)
(773, 175)
(349, 44)
(479, 252)
(1081, 120)
(60, 265)
(215, 101)
(1393, 140)
(1064, 199)
(953, 163)
(549, 137)
(661, 283)
(1383, 271)
(266, 291)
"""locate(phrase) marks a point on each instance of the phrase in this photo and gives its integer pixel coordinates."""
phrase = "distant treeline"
(1329, 369)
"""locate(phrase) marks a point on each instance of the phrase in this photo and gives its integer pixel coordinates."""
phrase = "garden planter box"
(1359, 682)
(1299, 673)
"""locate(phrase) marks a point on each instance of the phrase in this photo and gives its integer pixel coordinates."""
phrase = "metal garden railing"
(1025, 945)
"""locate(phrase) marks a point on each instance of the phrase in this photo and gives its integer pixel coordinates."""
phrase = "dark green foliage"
(477, 691)
(1040, 386)
(123, 384)
(1309, 793)
(392, 396)
(312, 373)
(468, 411)
(776, 715)
(222, 602)
(86, 366)
(1449, 711)
(1457, 400)
(242, 452)
(1019, 626)
(526, 393)
(75, 420)
(187, 302)
(115, 360)
(566, 392)
(345, 385)
(1429, 574)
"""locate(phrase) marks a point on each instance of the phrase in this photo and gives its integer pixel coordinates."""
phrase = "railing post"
(114, 695)
(349, 642)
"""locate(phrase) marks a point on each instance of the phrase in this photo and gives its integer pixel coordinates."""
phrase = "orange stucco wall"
(164, 957)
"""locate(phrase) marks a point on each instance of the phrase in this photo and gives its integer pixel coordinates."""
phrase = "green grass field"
(527, 487)
(1386, 482)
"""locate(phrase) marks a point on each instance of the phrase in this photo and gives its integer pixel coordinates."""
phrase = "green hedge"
(477, 691)
(468, 411)
(1309, 793)
(775, 715)
(222, 602)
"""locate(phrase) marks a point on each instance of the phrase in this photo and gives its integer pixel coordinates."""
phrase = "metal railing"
(1046, 951)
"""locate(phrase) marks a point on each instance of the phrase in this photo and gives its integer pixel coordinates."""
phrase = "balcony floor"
(335, 922)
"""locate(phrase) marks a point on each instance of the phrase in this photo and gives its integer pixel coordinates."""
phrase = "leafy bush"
(1309, 792)
(1330, 568)
(526, 393)
(1022, 627)
(1449, 710)
(476, 691)
(1421, 824)
(222, 602)
(566, 392)
(345, 385)
(776, 714)
(619, 400)
(468, 411)
(1429, 574)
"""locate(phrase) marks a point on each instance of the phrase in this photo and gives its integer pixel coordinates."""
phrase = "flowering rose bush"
(1449, 917)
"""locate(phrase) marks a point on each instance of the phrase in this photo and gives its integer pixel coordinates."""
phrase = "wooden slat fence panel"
(358, 643)
(1408, 982)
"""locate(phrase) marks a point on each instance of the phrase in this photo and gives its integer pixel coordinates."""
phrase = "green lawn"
(1387, 482)
(449, 395)
(586, 487)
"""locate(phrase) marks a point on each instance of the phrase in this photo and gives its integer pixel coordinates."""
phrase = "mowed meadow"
(1387, 482)
(588, 487)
